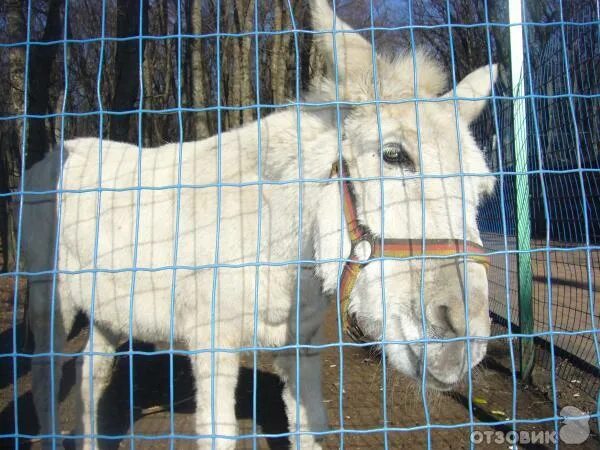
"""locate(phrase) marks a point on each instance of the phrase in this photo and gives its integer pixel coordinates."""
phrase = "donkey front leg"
(216, 380)
(93, 374)
(306, 380)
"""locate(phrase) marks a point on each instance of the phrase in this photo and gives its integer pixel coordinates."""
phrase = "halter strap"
(388, 247)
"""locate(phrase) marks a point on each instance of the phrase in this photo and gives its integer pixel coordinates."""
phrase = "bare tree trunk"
(224, 84)
(277, 87)
(127, 86)
(149, 95)
(245, 11)
(306, 44)
(41, 61)
(198, 79)
(10, 161)
(169, 72)
(16, 57)
(9, 169)
(232, 87)
(159, 77)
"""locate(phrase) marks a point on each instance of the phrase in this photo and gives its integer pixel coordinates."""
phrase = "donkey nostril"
(438, 315)
(442, 322)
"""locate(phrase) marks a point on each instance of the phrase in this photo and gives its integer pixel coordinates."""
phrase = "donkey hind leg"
(93, 374)
(216, 423)
(46, 371)
(313, 416)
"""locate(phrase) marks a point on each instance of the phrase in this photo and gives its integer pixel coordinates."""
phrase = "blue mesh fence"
(563, 124)
(364, 398)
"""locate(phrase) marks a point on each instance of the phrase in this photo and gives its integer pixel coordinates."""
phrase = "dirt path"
(362, 397)
(560, 278)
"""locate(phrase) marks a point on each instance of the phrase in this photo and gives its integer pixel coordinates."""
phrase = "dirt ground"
(362, 397)
(565, 271)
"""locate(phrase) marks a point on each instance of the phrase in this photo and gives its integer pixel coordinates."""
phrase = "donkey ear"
(474, 86)
(353, 54)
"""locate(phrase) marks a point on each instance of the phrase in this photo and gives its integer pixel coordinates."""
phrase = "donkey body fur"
(191, 241)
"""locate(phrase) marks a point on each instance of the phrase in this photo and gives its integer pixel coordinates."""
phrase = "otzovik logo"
(575, 429)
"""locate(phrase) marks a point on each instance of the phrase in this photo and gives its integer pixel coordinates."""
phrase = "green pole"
(526, 344)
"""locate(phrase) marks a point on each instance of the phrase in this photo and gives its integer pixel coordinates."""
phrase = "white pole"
(522, 187)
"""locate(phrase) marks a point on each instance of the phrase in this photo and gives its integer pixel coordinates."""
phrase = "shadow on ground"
(150, 393)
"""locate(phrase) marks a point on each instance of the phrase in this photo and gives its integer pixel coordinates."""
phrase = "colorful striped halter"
(393, 248)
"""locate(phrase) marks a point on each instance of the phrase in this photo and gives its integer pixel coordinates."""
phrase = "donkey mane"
(395, 81)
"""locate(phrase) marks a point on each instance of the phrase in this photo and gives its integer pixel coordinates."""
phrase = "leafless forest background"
(83, 66)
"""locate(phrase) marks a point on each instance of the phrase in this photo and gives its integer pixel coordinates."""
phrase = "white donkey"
(219, 244)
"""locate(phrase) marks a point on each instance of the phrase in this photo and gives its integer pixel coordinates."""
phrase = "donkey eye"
(394, 153)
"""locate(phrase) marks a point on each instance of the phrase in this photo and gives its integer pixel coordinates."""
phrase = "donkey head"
(421, 178)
